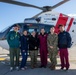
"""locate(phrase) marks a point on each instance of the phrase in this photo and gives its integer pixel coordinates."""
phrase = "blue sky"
(10, 14)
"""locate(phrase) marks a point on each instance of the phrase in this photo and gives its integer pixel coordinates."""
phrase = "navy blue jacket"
(64, 40)
(24, 43)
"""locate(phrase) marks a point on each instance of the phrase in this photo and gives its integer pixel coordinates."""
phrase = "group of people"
(44, 43)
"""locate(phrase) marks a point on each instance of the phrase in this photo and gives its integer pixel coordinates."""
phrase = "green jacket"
(52, 40)
(13, 39)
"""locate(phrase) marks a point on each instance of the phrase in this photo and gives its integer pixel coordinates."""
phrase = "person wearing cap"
(43, 48)
(64, 42)
(24, 49)
(13, 39)
(52, 42)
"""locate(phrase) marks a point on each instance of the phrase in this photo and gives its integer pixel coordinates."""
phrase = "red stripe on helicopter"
(61, 20)
(70, 24)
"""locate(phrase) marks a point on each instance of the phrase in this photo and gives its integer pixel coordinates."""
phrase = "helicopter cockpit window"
(30, 30)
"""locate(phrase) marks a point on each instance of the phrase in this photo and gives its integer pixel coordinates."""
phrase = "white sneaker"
(17, 68)
(11, 68)
(23, 69)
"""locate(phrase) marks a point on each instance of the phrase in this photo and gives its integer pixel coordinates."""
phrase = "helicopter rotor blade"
(21, 4)
(45, 8)
(58, 4)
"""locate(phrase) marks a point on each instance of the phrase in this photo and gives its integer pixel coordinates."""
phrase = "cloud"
(72, 15)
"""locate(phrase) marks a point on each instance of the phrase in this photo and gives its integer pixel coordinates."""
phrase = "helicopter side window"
(30, 30)
(74, 23)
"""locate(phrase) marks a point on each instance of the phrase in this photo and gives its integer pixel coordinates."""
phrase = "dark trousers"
(24, 59)
(64, 58)
(43, 57)
(14, 52)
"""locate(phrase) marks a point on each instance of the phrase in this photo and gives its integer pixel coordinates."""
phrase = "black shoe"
(66, 69)
(32, 67)
(62, 68)
(41, 66)
(44, 66)
(53, 67)
(35, 66)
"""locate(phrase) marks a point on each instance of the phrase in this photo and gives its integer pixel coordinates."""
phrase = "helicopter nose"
(2, 36)
(4, 44)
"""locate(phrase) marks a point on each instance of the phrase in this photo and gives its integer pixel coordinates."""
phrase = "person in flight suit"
(43, 48)
(52, 42)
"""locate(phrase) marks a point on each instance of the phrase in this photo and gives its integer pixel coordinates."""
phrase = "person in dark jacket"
(24, 50)
(13, 40)
(33, 49)
(64, 42)
(43, 48)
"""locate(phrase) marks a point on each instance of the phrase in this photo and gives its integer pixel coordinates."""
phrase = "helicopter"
(45, 19)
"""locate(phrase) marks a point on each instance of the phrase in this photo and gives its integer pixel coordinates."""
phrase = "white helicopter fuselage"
(52, 18)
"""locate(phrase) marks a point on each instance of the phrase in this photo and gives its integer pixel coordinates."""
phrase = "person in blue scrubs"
(24, 50)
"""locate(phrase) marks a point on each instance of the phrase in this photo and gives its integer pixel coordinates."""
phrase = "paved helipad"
(4, 66)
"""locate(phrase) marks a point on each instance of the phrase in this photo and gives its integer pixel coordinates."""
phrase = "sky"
(11, 14)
